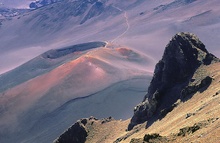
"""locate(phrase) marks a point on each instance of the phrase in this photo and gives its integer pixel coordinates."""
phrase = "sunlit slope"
(195, 120)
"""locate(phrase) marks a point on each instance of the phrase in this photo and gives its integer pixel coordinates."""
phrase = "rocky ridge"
(78, 132)
(172, 78)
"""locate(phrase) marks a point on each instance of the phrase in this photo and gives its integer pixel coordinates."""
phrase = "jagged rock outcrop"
(173, 73)
(78, 132)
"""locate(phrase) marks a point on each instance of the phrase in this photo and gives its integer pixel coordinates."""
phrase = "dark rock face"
(75, 134)
(147, 137)
(182, 56)
(79, 131)
(194, 88)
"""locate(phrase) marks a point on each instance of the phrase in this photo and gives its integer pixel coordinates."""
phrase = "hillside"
(142, 24)
(63, 85)
(186, 111)
(65, 60)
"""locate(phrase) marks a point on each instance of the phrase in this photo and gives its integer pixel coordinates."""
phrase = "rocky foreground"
(182, 103)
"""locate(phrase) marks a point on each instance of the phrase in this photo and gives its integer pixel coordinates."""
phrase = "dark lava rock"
(148, 137)
(194, 88)
(75, 134)
(189, 130)
(165, 111)
(106, 120)
(78, 132)
(182, 56)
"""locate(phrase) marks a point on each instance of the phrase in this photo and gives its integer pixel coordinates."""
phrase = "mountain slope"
(56, 25)
(15, 3)
(186, 111)
(67, 84)
(133, 23)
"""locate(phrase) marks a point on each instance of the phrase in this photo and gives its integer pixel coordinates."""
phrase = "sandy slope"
(31, 110)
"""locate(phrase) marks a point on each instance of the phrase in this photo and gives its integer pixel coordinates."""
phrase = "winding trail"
(127, 23)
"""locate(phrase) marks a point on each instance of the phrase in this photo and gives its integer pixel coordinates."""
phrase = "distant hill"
(125, 22)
